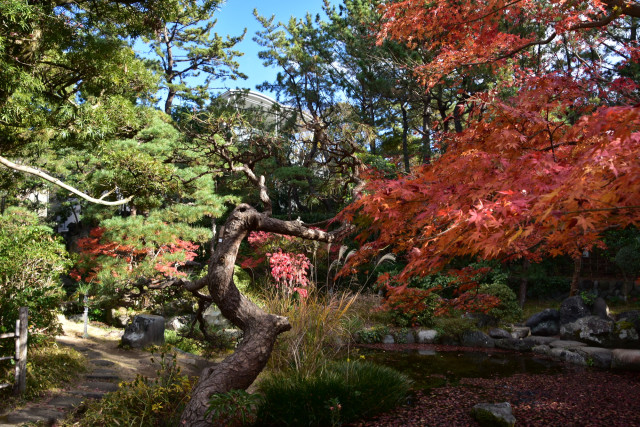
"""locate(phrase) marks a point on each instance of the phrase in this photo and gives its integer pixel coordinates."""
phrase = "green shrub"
(31, 261)
(508, 310)
(142, 402)
(189, 345)
(360, 389)
(234, 408)
(453, 327)
(49, 366)
(372, 335)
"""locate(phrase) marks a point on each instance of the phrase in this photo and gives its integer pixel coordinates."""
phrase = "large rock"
(143, 331)
(568, 355)
(493, 414)
(590, 329)
(572, 309)
(543, 316)
(632, 316)
(546, 328)
(596, 356)
(538, 340)
(498, 333)
(514, 344)
(566, 344)
(520, 331)
(625, 335)
(622, 358)
(541, 349)
(477, 339)
(427, 336)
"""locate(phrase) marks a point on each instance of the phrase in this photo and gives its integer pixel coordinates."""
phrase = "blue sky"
(235, 15)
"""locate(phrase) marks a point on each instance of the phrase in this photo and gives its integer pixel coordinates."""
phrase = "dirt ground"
(103, 344)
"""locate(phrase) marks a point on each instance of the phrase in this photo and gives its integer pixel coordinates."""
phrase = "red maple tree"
(548, 160)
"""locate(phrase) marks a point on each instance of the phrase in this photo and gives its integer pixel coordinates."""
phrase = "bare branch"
(260, 182)
(56, 181)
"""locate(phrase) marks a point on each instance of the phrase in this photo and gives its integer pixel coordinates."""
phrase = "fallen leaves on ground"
(582, 397)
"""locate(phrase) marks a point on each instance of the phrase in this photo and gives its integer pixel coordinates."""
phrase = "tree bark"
(405, 142)
(524, 281)
(260, 329)
(577, 266)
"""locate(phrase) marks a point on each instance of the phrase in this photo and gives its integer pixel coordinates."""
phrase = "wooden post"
(21, 350)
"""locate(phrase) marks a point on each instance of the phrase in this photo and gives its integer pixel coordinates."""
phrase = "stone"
(546, 328)
(538, 340)
(102, 362)
(600, 309)
(625, 335)
(143, 331)
(514, 344)
(68, 401)
(409, 338)
(388, 339)
(622, 358)
(566, 344)
(213, 318)
(572, 309)
(591, 329)
(499, 333)
(520, 332)
(118, 317)
(47, 416)
(596, 356)
(541, 349)
(543, 316)
(176, 323)
(102, 375)
(477, 339)
(493, 414)
(632, 316)
(427, 336)
(568, 356)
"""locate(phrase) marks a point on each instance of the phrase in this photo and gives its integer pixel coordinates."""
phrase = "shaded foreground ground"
(581, 397)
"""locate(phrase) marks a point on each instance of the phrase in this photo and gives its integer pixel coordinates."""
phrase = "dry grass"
(317, 333)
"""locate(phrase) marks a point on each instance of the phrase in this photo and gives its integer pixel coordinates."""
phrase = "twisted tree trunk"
(260, 329)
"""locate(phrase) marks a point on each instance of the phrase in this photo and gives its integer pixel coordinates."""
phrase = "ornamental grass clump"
(318, 329)
(341, 392)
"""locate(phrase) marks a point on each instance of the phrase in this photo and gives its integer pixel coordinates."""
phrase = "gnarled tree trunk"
(260, 329)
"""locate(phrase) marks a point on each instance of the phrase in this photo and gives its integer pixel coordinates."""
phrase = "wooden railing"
(20, 357)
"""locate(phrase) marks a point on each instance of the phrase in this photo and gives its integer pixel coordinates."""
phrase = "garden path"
(107, 365)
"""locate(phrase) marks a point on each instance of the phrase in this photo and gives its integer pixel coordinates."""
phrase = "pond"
(435, 366)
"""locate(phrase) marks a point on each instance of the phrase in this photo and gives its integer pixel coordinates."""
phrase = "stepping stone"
(596, 356)
(92, 354)
(84, 394)
(102, 362)
(69, 401)
(623, 358)
(103, 375)
(103, 386)
(34, 415)
(539, 340)
(566, 344)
